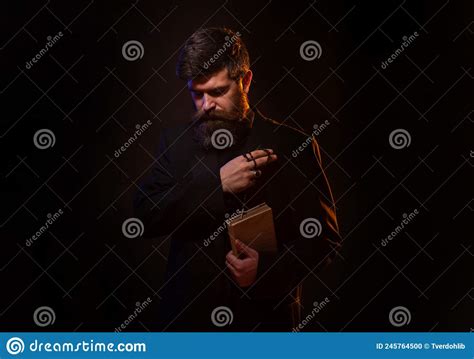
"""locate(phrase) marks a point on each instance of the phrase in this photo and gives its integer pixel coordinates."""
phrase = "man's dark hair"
(210, 50)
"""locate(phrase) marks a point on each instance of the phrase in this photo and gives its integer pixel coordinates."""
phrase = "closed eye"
(216, 92)
(219, 91)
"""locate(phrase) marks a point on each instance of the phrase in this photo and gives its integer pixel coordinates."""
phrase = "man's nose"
(208, 103)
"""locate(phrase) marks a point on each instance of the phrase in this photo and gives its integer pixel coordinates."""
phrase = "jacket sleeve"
(311, 237)
(169, 197)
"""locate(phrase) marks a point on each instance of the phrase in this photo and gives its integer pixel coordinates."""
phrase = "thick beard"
(234, 121)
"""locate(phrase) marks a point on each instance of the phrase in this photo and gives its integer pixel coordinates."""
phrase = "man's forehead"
(214, 80)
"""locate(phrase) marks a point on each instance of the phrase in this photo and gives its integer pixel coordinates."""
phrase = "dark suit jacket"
(183, 200)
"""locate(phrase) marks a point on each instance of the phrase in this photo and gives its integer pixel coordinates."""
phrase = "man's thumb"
(243, 248)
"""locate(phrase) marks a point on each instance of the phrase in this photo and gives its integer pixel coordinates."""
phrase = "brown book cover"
(255, 228)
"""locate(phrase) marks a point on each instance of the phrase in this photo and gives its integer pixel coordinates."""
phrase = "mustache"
(216, 115)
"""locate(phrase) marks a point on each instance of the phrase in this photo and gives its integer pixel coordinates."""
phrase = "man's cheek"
(226, 105)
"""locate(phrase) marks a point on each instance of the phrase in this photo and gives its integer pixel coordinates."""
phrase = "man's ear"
(246, 81)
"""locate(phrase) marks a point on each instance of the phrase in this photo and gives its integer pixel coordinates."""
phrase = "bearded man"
(227, 158)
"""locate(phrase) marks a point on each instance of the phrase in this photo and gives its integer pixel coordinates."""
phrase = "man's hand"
(244, 271)
(237, 176)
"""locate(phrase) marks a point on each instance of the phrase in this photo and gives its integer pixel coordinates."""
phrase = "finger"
(248, 251)
(263, 161)
(261, 153)
(233, 260)
(245, 157)
(231, 268)
(229, 255)
(241, 247)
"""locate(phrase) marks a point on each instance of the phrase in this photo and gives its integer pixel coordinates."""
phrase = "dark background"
(92, 99)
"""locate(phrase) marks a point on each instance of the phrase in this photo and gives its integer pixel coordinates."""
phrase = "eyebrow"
(215, 89)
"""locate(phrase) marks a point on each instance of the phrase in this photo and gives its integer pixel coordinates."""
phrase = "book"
(255, 228)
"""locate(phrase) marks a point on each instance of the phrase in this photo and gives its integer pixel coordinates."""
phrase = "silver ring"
(256, 173)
